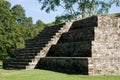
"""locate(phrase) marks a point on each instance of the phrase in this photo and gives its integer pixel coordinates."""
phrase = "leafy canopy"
(78, 8)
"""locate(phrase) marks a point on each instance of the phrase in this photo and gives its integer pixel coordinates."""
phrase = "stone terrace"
(89, 46)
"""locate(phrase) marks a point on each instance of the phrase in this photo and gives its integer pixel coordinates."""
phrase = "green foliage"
(19, 13)
(6, 27)
(38, 27)
(116, 2)
(78, 8)
(15, 28)
(60, 19)
(3, 55)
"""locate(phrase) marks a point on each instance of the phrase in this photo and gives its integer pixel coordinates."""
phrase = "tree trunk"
(91, 7)
(83, 13)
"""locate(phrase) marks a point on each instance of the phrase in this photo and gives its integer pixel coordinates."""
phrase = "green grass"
(47, 75)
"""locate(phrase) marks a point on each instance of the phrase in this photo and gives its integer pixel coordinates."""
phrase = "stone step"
(27, 57)
(41, 43)
(17, 67)
(39, 40)
(31, 51)
(27, 54)
(45, 34)
(36, 45)
(17, 51)
(24, 60)
(85, 23)
(55, 26)
(86, 34)
(22, 63)
(34, 48)
(24, 57)
(49, 30)
(74, 65)
(74, 49)
(30, 54)
(19, 63)
(21, 60)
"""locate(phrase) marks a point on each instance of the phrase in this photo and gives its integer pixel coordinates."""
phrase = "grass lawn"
(47, 75)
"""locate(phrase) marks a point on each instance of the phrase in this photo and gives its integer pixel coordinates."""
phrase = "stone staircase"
(91, 46)
(36, 48)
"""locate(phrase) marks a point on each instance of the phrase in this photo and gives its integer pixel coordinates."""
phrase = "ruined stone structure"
(90, 46)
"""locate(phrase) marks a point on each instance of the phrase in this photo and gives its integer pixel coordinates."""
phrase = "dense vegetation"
(78, 8)
(15, 28)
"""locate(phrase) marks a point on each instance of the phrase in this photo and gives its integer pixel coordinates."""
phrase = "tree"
(19, 13)
(78, 8)
(15, 28)
(39, 26)
(6, 28)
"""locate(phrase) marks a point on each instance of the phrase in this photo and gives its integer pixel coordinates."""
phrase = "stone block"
(74, 49)
(104, 66)
(69, 65)
(105, 49)
(86, 34)
(85, 23)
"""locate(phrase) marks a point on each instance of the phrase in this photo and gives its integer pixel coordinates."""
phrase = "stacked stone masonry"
(89, 46)
(97, 39)
(36, 48)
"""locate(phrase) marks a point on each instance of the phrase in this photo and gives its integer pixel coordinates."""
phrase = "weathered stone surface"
(107, 34)
(85, 23)
(92, 46)
(86, 34)
(103, 34)
(104, 66)
(108, 21)
(107, 37)
(65, 64)
(74, 49)
(105, 49)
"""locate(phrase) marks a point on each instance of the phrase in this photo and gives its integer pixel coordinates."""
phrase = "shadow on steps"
(68, 65)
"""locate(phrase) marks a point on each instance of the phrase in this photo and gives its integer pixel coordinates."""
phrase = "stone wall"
(104, 66)
(107, 37)
(105, 49)
(107, 34)
(96, 38)
(105, 58)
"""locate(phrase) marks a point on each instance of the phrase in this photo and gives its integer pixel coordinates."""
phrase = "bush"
(3, 55)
